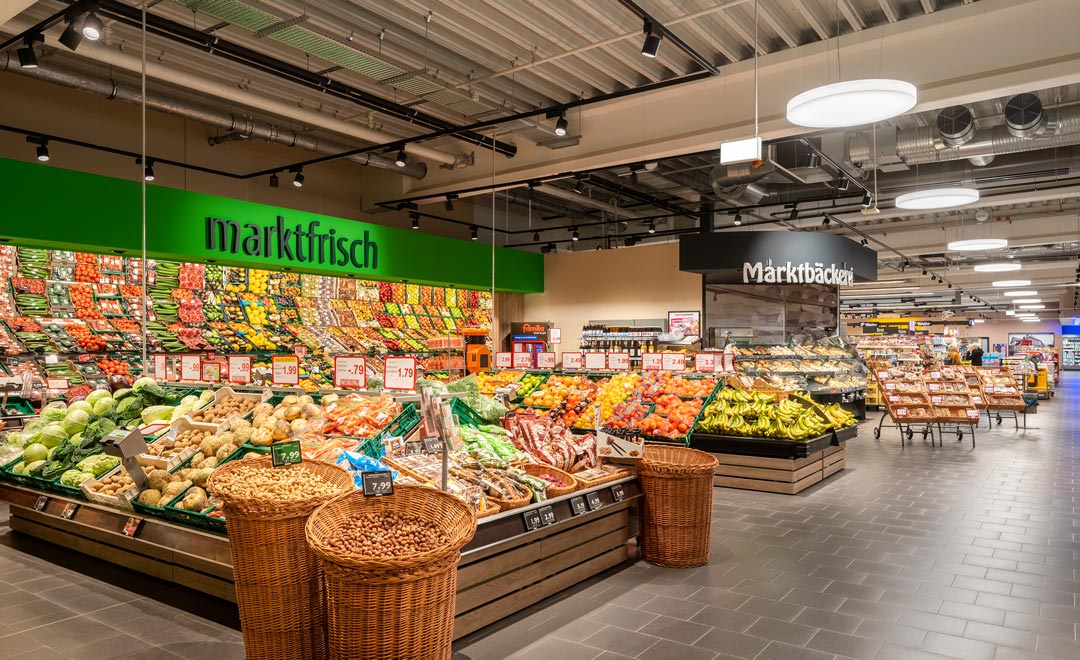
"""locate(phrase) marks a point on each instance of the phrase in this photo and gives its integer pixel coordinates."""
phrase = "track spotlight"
(924, 271)
(579, 187)
(415, 220)
(864, 242)
(561, 125)
(552, 247)
(27, 58)
(402, 158)
(843, 184)
(651, 45)
(71, 36)
(813, 160)
(826, 221)
(868, 199)
(450, 201)
(544, 249)
(651, 227)
(148, 171)
(92, 27)
(43, 151)
(631, 241)
(274, 181)
(738, 219)
(950, 285)
(474, 233)
(298, 180)
(575, 236)
(906, 263)
(536, 236)
(794, 214)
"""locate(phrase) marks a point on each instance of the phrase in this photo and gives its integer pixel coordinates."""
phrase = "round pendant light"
(1011, 283)
(972, 244)
(939, 198)
(851, 103)
(996, 268)
(1019, 294)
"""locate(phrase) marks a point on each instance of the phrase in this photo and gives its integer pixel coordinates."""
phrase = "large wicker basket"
(677, 483)
(392, 608)
(279, 581)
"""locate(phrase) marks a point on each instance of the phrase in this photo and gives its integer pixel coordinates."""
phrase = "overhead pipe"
(241, 127)
(571, 196)
(154, 69)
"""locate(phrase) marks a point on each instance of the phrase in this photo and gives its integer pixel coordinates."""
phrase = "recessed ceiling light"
(1032, 306)
(1029, 320)
(1025, 292)
(938, 198)
(973, 243)
(1009, 312)
(996, 268)
(851, 103)
(1011, 283)
(1027, 301)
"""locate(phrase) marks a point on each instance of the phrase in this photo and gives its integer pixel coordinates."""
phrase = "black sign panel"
(577, 505)
(547, 515)
(617, 493)
(41, 503)
(433, 445)
(532, 519)
(593, 499)
(377, 483)
(721, 257)
(413, 447)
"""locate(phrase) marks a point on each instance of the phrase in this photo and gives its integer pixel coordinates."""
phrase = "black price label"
(413, 447)
(69, 510)
(131, 527)
(11, 361)
(547, 515)
(593, 499)
(433, 445)
(42, 502)
(577, 505)
(532, 520)
(286, 453)
(377, 483)
(617, 493)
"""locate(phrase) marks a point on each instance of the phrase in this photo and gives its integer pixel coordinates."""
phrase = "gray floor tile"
(771, 608)
(958, 647)
(891, 632)
(668, 650)
(733, 643)
(621, 641)
(843, 623)
(1000, 635)
(781, 651)
(849, 646)
(552, 647)
(679, 609)
(685, 632)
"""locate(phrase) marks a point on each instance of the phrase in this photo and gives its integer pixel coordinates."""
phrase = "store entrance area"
(913, 552)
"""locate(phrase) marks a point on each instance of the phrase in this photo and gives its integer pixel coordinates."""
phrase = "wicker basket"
(391, 608)
(536, 469)
(676, 518)
(516, 503)
(279, 581)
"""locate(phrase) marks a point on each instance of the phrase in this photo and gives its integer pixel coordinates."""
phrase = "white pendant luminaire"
(939, 198)
(851, 103)
(1019, 293)
(996, 268)
(972, 243)
(1011, 283)
(740, 151)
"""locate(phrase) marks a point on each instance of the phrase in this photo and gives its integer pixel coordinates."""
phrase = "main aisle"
(909, 553)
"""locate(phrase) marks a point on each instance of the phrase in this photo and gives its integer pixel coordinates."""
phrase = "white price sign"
(211, 372)
(545, 360)
(652, 361)
(240, 369)
(705, 362)
(190, 367)
(901, 412)
(596, 361)
(350, 372)
(972, 413)
(159, 368)
(286, 370)
(400, 373)
(933, 387)
(618, 361)
(523, 361)
(504, 360)
(555, 335)
(890, 386)
(571, 361)
(673, 362)
(57, 383)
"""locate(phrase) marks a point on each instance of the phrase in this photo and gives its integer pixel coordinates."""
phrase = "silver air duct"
(1024, 116)
(956, 125)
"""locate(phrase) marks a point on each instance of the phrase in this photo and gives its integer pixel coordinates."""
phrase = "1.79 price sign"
(400, 373)
(350, 372)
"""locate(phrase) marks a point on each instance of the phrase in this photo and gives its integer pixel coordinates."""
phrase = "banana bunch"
(757, 414)
(839, 417)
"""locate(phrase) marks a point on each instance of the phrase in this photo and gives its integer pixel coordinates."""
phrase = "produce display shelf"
(764, 447)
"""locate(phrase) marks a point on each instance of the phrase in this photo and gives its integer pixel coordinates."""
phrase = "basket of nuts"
(279, 581)
(391, 569)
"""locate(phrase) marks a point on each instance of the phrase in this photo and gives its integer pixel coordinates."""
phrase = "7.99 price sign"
(400, 373)
(350, 372)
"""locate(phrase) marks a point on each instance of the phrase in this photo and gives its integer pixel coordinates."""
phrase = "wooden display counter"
(516, 559)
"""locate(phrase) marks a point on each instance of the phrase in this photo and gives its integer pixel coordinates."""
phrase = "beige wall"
(628, 283)
(998, 331)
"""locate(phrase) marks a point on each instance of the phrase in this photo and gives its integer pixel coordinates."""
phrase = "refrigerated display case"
(1070, 353)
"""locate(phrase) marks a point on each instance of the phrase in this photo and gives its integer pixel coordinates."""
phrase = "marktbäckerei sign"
(777, 257)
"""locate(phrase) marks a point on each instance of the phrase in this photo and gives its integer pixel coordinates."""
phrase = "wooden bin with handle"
(677, 484)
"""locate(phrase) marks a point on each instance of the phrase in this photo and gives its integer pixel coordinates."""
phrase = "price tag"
(554, 335)
(935, 375)
(299, 350)
(652, 361)
(286, 370)
(705, 362)
(350, 372)
(57, 383)
(433, 445)
(286, 453)
(545, 360)
(577, 505)
(989, 389)
(504, 360)
(86, 357)
(131, 527)
(571, 361)
(617, 493)
(936, 399)
(978, 400)
(972, 413)
(894, 399)
(69, 510)
(595, 361)
(933, 387)
(41, 502)
(532, 520)
(190, 368)
(890, 386)
(413, 447)
(211, 372)
(547, 515)
(901, 412)
(673, 362)
(400, 373)
(593, 499)
(618, 361)
(240, 369)
(377, 483)
(523, 361)
(52, 359)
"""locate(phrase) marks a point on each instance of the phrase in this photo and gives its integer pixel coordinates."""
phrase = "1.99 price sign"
(350, 372)
(400, 373)
(286, 370)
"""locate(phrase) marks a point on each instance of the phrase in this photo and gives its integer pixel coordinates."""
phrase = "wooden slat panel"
(768, 463)
(492, 567)
(829, 460)
(787, 475)
(832, 450)
(834, 468)
(768, 486)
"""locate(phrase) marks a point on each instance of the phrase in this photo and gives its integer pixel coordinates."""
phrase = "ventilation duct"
(1024, 117)
(746, 194)
(956, 125)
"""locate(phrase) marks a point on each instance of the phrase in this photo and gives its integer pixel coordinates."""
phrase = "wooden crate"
(778, 475)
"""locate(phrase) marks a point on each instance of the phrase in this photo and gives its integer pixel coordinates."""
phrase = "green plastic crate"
(407, 420)
(465, 414)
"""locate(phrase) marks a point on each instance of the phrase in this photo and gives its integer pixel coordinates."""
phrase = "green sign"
(286, 453)
(50, 207)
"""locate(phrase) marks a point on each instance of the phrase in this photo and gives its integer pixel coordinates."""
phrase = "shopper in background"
(975, 354)
(954, 355)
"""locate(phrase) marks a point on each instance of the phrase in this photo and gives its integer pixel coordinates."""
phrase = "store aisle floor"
(909, 553)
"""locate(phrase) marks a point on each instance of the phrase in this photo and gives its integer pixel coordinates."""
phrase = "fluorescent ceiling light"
(1032, 306)
(1027, 301)
(997, 268)
(1012, 283)
(740, 151)
(880, 282)
(977, 243)
(1009, 312)
(978, 320)
(940, 198)
(1025, 292)
(1029, 320)
(851, 103)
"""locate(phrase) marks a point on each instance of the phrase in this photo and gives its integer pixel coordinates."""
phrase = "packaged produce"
(359, 416)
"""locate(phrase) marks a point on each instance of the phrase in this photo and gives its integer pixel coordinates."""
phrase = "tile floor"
(907, 554)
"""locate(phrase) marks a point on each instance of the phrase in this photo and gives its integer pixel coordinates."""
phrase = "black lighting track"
(215, 45)
(686, 48)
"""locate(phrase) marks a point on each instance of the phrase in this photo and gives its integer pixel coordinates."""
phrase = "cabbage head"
(76, 421)
(52, 435)
(54, 412)
(75, 478)
(104, 405)
(97, 395)
(84, 406)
